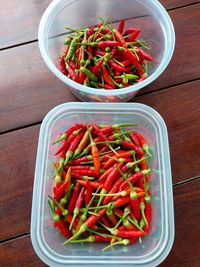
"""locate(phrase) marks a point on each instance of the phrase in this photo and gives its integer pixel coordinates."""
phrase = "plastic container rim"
(42, 31)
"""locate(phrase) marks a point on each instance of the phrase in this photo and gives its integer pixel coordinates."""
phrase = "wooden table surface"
(28, 90)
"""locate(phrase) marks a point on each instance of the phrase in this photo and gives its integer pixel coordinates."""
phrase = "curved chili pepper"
(134, 35)
(73, 147)
(73, 198)
(107, 77)
(78, 205)
(120, 38)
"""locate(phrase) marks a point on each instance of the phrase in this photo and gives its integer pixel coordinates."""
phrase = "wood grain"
(184, 65)
(29, 90)
(25, 16)
(187, 213)
(18, 150)
(18, 253)
(18, 153)
(185, 251)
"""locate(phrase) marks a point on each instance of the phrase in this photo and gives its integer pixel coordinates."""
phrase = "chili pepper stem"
(82, 229)
(122, 242)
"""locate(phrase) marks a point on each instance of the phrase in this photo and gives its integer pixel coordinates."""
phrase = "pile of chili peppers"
(101, 185)
(105, 57)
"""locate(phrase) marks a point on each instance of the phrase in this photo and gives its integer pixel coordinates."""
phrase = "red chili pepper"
(73, 147)
(133, 147)
(69, 139)
(72, 64)
(71, 72)
(148, 215)
(100, 239)
(69, 220)
(134, 139)
(78, 205)
(126, 63)
(81, 77)
(104, 175)
(78, 161)
(95, 153)
(145, 55)
(88, 194)
(94, 185)
(113, 190)
(130, 30)
(134, 35)
(107, 77)
(99, 52)
(74, 198)
(121, 202)
(111, 177)
(118, 67)
(128, 233)
(127, 53)
(121, 26)
(62, 66)
(76, 175)
(133, 179)
(64, 187)
(63, 228)
(105, 86)
(112, 218)
(84, 172)
(104, 44)
(97, 67)
(120, 38)
(105, 221)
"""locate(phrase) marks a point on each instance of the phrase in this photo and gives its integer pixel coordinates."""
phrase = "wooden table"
(28, 90)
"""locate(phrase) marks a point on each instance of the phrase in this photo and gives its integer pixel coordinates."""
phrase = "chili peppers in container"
(103, 54)
(102, 196)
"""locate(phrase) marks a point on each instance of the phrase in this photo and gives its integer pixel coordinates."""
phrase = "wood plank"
(18, 150)
(19, 252)
(18, 153)
(186, 224)
(185, 251)
(31, 90)
(25, 15)
(184, 65)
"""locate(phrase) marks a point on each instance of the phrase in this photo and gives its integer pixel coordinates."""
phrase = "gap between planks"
(142, 94)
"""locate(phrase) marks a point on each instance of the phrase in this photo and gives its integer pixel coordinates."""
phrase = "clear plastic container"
(149, 15)
(46, 240)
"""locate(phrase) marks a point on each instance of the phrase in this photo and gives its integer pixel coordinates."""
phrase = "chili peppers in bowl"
(103, 57)
(102, 196)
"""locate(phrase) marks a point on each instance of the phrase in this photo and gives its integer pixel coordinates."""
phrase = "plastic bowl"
(149, 15)
(46, 240)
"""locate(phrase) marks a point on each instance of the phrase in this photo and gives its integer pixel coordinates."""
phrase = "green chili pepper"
(89, 74)
(72, 47)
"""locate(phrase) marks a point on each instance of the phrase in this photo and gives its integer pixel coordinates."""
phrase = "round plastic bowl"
(148, 15)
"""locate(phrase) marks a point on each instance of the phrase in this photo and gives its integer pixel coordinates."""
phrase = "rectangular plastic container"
(46, 240)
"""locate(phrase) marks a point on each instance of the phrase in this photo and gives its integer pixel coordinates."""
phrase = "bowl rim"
(99, 92)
